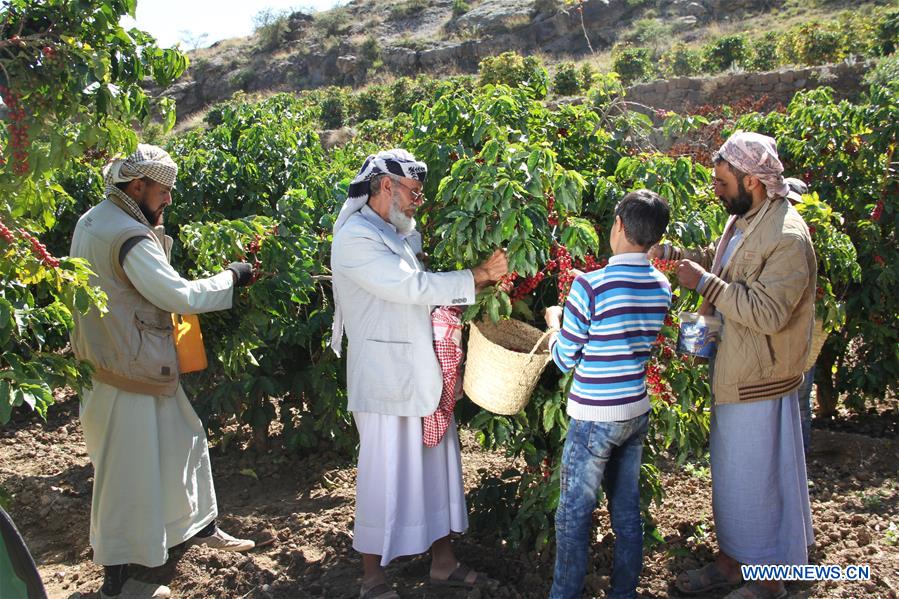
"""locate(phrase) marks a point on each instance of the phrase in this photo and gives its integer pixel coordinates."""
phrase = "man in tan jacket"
(152, 477)
(760, 279)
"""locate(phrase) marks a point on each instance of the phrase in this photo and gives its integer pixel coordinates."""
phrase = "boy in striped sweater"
(612, 317)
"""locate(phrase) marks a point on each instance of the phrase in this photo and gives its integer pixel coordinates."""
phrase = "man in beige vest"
(152, 477)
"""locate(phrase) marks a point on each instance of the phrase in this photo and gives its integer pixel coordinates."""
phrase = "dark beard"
(155, 219)
(739, 205)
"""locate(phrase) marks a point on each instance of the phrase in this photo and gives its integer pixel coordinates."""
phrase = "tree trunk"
(826, 396)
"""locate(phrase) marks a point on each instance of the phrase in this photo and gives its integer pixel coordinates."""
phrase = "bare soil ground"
(300, 511)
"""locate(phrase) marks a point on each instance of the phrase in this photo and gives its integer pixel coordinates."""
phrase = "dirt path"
(300, 512)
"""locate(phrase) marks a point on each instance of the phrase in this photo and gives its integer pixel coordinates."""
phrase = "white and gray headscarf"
(756, 154)
(396, 162)
(147, 161)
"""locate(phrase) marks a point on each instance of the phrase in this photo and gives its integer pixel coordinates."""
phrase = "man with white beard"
(409, 496)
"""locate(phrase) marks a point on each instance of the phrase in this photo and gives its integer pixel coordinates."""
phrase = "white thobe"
(152, 477)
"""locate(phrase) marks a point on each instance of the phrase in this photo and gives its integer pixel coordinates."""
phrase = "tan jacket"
(131, 347)
(766, 296)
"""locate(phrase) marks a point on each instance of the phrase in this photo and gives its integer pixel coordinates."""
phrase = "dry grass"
(190, 122)
(235, 42)
(792, 13)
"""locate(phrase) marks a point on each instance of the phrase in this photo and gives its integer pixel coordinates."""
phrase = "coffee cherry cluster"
(506, 281)
(590, 263)
(553, 218)
(656, 385)
(877, 212)
(562, 259)
(6, 234)
(665, 266)
(527, 286)
(253, 248)
(39, 250)
(18, 130)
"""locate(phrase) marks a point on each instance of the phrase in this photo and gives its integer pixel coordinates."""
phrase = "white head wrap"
(756, 154)
(397, 162)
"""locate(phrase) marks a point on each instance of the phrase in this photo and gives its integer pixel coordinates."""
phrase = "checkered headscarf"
(756, 154)
(147, 161)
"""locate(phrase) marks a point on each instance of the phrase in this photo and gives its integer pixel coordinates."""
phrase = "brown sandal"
(459, 578)
(379, 591)
(700, 580)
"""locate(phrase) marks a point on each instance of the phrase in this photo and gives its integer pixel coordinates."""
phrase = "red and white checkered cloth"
(447, 324)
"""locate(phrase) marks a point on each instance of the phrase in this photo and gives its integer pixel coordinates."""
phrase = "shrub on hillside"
(587, 74)
(649, 32)
(632, 64)
(885, 74)
(334, 108)
(408, 8)
(605, 88)
(406, 91)
(817, 43)
(333, 22)
(370, 52)
(725, 52)
(764, 52)
(370, 103)
(270, 26)
(858, 32)
(567, 80)
(547, 7)
(514, 70)
(681, 61)
(460, 7)
(888, 33)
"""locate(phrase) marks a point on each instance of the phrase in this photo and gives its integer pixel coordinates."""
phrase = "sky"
(171, 21)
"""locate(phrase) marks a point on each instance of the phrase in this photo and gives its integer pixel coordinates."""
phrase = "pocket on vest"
(156, 359)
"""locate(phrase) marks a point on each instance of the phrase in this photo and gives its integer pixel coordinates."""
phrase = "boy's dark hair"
(645, 215)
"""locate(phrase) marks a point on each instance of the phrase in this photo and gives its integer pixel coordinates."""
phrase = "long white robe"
(408, 495)
(152, 477)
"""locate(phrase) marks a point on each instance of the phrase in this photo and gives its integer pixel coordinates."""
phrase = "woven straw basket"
(818, 339)
(505, 361)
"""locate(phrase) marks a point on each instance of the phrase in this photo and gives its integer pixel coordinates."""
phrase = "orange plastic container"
(189, 343)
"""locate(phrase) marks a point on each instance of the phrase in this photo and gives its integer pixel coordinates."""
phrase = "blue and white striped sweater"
(612, 317)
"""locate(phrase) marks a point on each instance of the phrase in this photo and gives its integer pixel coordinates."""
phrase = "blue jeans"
(607, 454)
(805, 407)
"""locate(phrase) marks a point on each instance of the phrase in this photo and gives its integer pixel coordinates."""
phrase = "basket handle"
(539, 341)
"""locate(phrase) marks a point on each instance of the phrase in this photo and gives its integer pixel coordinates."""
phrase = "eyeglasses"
(418, 197)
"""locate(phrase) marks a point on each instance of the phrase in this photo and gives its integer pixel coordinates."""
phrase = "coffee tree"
(70, 84)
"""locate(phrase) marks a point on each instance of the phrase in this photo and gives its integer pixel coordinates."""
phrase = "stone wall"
(683, 93)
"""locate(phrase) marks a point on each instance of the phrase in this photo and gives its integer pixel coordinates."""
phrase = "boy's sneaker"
(222, 541)
(135, 589)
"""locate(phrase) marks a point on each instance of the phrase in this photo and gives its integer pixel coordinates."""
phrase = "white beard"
(404, 224)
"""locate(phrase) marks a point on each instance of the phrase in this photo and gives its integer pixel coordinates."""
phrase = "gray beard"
(403, 223)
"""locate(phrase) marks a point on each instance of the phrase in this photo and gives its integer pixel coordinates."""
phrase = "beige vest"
(131, 347)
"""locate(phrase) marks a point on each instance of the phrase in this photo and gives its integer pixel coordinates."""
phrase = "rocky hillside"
(370, 40)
